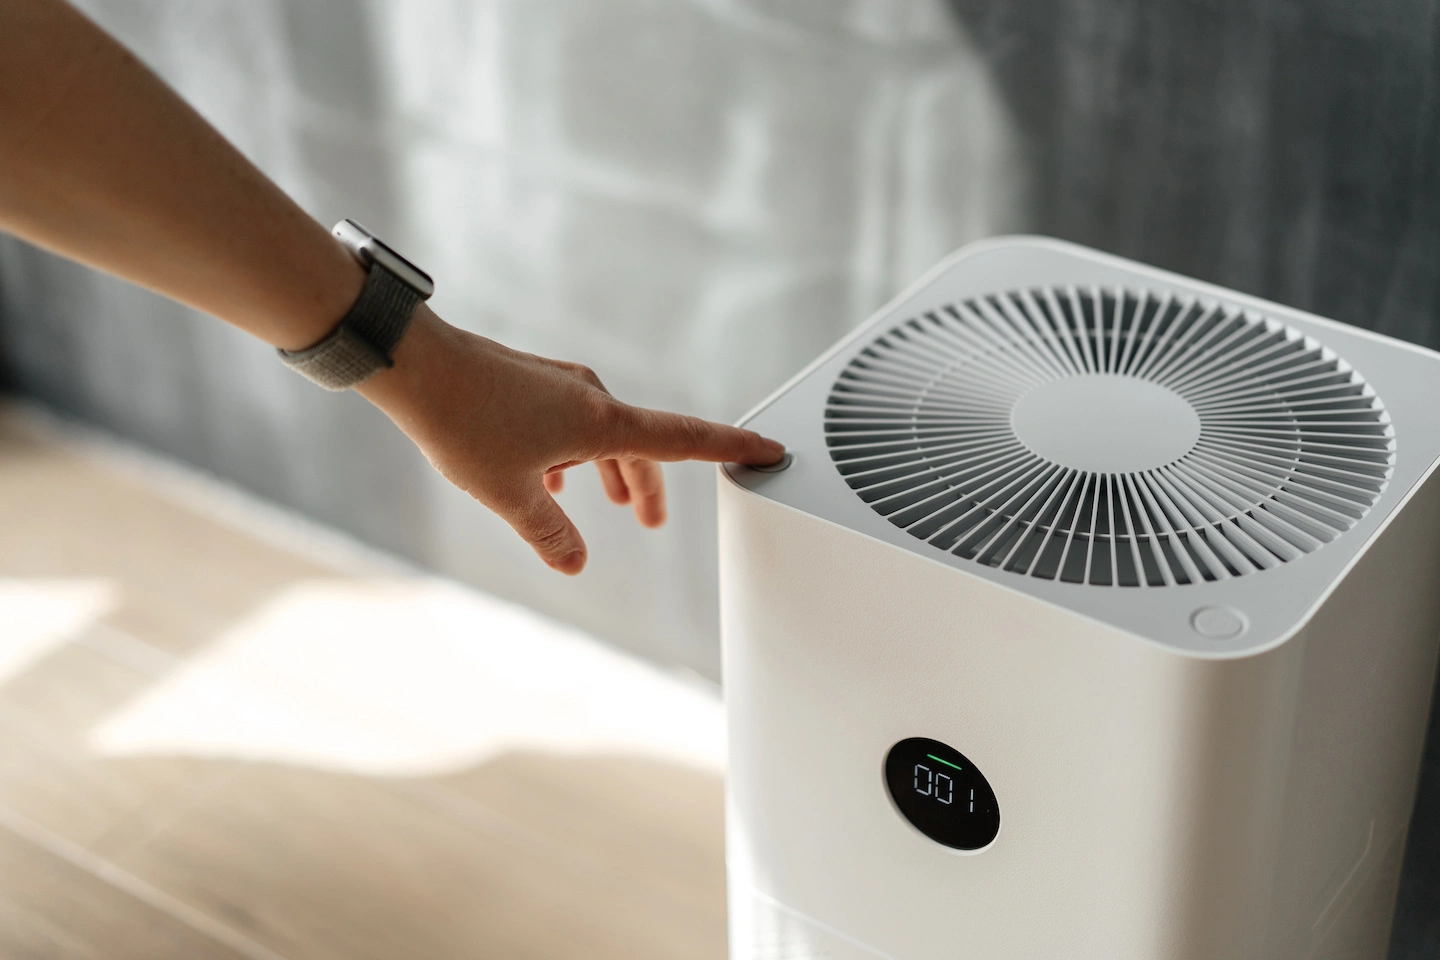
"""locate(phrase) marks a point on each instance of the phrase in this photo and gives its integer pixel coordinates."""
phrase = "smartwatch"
(363, 344)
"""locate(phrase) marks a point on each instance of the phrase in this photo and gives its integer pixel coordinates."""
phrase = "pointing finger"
(655, 435)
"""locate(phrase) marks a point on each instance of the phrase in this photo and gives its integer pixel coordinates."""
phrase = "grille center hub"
(1105, 423)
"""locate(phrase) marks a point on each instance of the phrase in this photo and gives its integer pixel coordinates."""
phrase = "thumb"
(541, 523)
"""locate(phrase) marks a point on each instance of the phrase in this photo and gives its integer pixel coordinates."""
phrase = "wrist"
(335, 283)
(367, 336)
(420, 358)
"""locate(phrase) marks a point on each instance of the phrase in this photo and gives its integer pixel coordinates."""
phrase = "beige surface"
(212, 745)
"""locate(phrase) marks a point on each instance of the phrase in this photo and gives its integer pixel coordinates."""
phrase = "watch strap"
(363, 344)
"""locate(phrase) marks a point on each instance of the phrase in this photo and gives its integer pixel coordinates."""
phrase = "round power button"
(1218, 623)
(782, 464)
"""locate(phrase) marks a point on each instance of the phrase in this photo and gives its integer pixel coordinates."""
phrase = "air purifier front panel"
(1207, 751)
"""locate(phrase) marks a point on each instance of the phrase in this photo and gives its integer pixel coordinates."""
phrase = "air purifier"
(1093, 616)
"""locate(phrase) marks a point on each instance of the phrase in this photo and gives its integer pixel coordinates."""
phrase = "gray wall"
(696, 196)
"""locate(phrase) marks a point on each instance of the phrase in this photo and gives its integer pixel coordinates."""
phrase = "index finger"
(657, 435)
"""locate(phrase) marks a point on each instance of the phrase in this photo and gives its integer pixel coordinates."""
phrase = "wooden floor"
(215, 743)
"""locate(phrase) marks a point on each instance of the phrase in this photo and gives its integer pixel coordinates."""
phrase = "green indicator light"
(946, 762)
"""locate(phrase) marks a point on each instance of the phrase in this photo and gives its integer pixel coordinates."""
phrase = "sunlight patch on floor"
(410, 676)
(40, 616)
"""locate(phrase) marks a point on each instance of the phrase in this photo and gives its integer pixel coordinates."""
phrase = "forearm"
(101, 162)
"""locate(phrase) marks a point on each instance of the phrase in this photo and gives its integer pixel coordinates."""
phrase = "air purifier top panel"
(1186, 463)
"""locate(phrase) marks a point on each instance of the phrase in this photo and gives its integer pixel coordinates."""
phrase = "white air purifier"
(1094, 618)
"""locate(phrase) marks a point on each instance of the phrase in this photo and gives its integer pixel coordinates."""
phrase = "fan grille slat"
(1293, 446)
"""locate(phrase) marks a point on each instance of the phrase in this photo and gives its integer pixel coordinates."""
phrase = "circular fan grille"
(1169, 441)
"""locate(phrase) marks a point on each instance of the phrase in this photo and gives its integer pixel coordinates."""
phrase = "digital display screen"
(942, 793)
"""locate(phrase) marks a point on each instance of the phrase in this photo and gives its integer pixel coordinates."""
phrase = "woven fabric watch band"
(361, 346)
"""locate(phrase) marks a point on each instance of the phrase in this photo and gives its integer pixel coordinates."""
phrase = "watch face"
(942, 793)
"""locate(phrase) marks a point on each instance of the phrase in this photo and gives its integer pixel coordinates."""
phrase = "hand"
(503, 426)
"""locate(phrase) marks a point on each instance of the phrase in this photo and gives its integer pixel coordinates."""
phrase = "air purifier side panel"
(1139, 788)
(1365, 689)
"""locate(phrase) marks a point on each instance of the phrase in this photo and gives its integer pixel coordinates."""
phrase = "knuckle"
(598, 409)
(582, 372)
(550, 536)
(608, 412)
(694, 431)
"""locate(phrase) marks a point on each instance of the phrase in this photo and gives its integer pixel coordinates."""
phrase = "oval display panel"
(942, 793)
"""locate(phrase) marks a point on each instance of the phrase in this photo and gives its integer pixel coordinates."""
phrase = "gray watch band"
(365, 339)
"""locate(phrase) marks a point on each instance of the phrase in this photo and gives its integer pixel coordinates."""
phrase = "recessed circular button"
(1218, 623)
(777, 466)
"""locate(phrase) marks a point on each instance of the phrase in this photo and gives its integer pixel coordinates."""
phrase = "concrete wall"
(696, 196)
